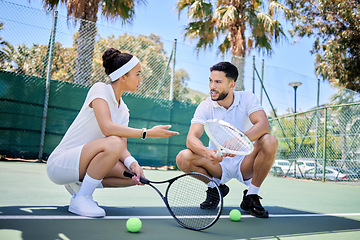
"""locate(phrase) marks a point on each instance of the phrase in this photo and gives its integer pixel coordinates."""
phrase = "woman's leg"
(97, 160)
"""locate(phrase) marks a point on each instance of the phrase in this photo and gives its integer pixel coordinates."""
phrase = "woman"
(93, 152)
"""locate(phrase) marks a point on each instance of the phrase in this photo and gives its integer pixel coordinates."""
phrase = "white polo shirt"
(238, 113)
(85, 127)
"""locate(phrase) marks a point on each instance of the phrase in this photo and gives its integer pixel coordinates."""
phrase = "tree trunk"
(239, 62)
(87, 12)
(238, 44)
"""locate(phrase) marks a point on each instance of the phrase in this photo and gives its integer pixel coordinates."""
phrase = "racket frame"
(222, 149)
(164, 198)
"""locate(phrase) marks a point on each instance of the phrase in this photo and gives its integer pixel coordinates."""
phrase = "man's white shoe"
(73, 188)
(85, 206)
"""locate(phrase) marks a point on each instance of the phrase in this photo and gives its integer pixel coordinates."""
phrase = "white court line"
(66, 217)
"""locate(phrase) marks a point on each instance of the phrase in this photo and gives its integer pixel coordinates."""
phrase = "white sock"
(247, 182)
(88, 186)
(216, 180)
(211, 184)
(253, 190)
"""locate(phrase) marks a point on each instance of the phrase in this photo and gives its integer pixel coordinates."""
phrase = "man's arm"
(260, 126)
(196, 146)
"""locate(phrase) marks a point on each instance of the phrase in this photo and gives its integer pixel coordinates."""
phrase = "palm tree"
(86, 11)
(229, 22)
(5, 48)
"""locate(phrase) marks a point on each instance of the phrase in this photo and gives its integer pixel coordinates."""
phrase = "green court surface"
(32, 207)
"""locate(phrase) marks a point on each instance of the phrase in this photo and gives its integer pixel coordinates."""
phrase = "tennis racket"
(227, 138)
(183, 197)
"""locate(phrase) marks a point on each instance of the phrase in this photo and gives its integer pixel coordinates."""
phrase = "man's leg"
(257, 166)
(187, 161)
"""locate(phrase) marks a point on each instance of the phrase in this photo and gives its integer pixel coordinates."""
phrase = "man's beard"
(222, 96)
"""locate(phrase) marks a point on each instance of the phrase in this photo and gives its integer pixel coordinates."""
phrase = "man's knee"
(269, 144)
(182, 161)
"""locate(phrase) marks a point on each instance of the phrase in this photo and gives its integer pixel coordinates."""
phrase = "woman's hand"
(136, 168)
(161, 131)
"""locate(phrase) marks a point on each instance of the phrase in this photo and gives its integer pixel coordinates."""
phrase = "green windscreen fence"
(22, 106)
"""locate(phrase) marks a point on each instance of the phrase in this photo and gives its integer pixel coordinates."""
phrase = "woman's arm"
(108, 127)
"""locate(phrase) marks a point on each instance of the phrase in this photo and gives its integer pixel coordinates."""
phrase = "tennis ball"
(235, 215)
(133, 224)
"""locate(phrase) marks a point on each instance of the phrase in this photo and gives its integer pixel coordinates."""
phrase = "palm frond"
(123, 9)
(226, 15)
(200, 10)
(275, 6)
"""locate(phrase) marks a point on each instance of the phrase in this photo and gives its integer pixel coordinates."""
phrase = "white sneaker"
(85, 206)
(73, 188)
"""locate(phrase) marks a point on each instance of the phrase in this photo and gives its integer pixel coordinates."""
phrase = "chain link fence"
(321, 144)
(318, 144)
(76, 54)
(43, 40)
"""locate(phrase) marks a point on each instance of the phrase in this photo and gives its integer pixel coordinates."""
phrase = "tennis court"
(32, 207)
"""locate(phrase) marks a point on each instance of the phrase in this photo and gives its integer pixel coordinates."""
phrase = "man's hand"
(213, 156)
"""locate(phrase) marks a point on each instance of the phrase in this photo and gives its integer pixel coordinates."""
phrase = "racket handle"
(218, 153)
(130, 175)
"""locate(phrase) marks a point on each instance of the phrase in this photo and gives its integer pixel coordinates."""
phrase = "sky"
(288, 63)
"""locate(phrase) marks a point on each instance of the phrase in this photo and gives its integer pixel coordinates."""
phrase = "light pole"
(295, 85)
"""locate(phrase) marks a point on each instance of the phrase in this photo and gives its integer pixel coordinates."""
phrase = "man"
(243, 110)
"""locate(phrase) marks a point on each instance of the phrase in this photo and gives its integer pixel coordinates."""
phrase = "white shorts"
(63, 165)
(231, 169)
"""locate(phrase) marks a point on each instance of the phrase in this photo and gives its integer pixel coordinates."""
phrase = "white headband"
(124, 69)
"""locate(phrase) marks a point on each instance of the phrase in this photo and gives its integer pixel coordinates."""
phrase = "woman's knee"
(114, 145)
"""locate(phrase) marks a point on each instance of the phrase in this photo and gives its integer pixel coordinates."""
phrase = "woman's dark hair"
(114, 59)
(228, 68)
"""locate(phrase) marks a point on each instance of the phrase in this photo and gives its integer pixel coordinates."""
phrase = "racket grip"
(130, 175)
(218, 153)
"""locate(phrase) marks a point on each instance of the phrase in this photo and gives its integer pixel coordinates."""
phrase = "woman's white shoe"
(85, 206)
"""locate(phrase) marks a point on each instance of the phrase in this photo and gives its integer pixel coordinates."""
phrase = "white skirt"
(63, 165)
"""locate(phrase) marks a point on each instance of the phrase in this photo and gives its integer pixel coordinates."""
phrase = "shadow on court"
(42, 222)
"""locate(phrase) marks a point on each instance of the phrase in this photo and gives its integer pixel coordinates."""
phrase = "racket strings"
(228, 137)
(185, 196)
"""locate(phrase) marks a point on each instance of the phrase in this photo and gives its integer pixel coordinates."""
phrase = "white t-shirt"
(85, 127)
(238, 113)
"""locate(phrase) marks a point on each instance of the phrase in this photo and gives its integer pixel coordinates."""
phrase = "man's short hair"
(228, 68)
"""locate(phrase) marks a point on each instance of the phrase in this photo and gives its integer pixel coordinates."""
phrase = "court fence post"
(47, 88)
(325, 137)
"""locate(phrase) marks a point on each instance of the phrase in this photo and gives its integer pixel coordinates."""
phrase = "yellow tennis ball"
(133, 224)
(235, 215)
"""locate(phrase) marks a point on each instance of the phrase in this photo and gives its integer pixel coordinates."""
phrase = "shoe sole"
(259, 216)
(75, 211)
(243, 207)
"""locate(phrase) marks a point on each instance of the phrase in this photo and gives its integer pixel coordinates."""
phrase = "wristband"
(128, 161)
(143, 134)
